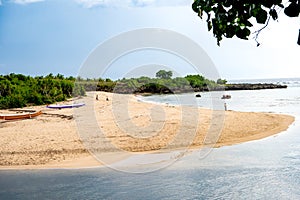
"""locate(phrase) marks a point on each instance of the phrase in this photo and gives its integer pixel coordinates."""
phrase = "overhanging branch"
(258, 31)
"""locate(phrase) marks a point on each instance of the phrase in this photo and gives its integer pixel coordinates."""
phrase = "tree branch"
(258, 31)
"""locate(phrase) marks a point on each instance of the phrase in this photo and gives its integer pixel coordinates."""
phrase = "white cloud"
(133, 3)
(91, 3)
(25, 1)
(142, 3)
(104, 3)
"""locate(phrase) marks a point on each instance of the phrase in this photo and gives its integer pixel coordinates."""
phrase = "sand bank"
(53, 139)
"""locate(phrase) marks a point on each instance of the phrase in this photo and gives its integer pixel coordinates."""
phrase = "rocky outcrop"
(258, 86)
(160, 89)
(241, 86)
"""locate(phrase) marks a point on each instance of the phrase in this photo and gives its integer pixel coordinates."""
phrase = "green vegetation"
(228, 18)
(17, 90)
(164, 74)
(221, 81)
(164, 84)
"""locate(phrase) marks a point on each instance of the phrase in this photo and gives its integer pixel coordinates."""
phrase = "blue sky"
(39, 37)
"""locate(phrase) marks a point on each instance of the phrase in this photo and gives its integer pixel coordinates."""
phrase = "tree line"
(17, 90)
(162, 84)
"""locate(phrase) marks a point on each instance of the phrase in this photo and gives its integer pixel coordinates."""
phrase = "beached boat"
(20, 115)
(77, 105)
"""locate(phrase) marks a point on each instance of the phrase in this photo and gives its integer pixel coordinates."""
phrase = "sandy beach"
(55, 138)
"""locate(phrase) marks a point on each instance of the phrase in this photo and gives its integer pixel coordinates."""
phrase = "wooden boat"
(226, 96)
(20, 115)
(66, 106)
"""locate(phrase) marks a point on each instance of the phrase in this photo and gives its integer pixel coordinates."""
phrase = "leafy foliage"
(164, 74)
(164, 85)
(221, 81)
(17, 90)
(228, 18)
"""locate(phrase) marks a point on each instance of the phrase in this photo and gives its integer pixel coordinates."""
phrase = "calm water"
(264, 169)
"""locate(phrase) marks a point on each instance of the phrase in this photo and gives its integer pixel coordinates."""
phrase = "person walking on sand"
(97, 97)
(225, 106)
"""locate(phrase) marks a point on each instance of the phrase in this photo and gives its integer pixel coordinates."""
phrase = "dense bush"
(162, 84)
(17, 90)
(189, 83)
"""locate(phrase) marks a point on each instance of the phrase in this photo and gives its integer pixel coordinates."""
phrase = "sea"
(263, 169)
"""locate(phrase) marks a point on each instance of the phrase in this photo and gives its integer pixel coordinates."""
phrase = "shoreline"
(23, 142)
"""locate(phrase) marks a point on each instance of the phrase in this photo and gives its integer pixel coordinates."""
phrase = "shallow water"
(263, 169)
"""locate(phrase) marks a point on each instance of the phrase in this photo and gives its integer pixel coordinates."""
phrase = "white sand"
(52, 140)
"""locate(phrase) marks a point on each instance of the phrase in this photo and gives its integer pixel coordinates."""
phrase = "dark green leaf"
(209, 26)
(195, 7)
(281, 5)
(230, 31)
(267, 3)
(243, 33)
(273, 14)
(248, 24)
(292, 10)
(261, 16)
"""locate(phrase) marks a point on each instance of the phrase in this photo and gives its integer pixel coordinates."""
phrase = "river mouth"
(267, 167)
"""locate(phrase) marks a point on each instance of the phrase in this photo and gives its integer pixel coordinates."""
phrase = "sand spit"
(55, 138)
